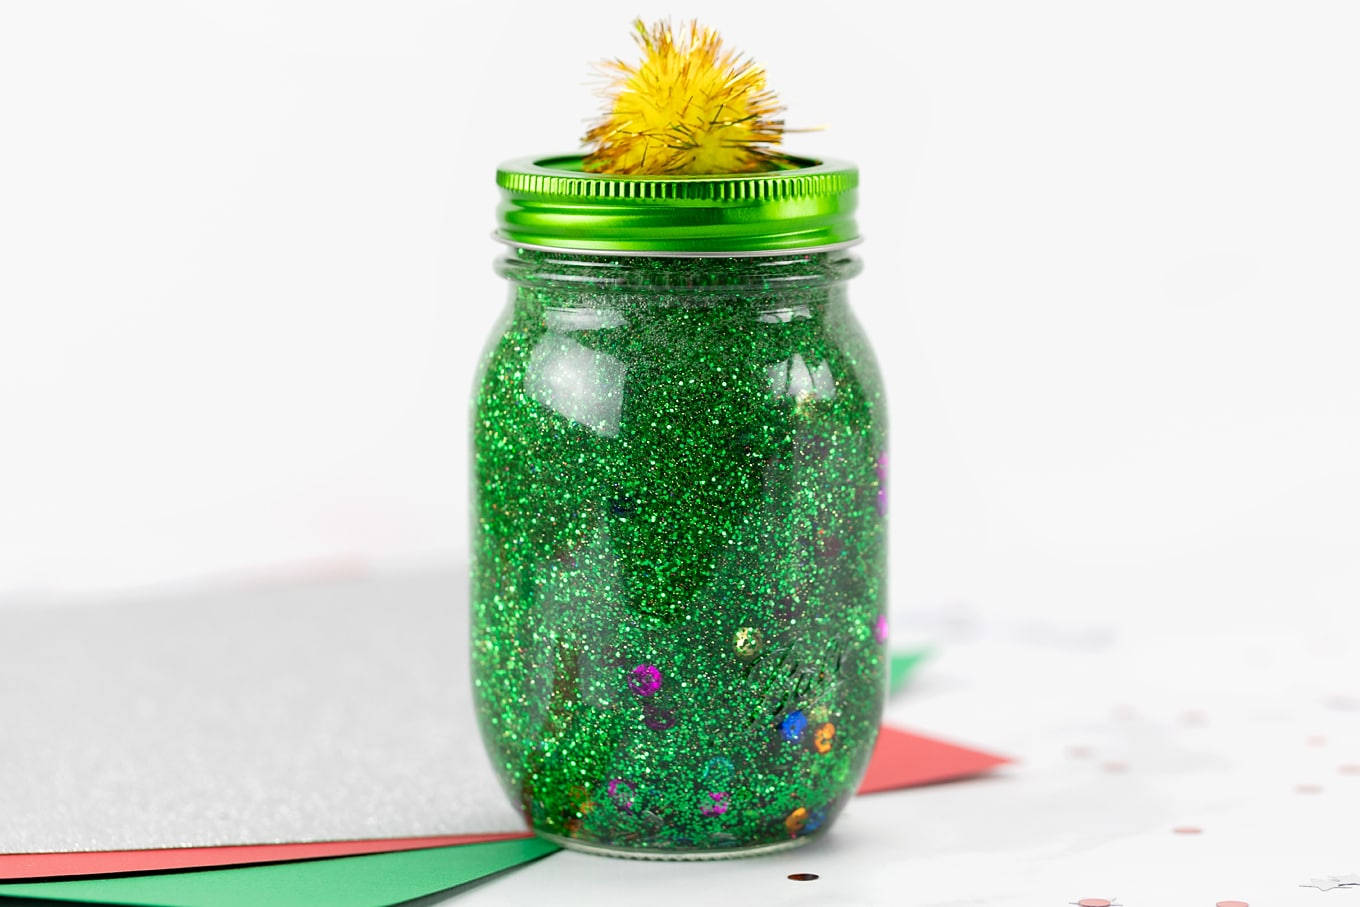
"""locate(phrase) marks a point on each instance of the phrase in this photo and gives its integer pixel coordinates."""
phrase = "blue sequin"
(793, 725)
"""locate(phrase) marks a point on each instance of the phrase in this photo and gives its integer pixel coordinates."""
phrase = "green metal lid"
(552, 203)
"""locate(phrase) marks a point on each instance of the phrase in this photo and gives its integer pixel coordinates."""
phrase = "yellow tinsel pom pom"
(690, 106)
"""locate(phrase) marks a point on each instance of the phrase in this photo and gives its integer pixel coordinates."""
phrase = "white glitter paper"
(308, 712)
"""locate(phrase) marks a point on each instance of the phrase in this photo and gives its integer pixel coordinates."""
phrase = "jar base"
(642, 853)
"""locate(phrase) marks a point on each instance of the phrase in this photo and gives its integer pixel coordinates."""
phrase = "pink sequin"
(719, 804)
(645, 680)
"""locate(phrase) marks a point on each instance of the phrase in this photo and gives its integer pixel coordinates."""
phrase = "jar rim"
(553, 203)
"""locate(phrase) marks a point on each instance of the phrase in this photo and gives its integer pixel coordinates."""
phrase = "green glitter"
(678, 572)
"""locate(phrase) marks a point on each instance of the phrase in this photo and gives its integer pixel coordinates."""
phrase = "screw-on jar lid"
(552, 203)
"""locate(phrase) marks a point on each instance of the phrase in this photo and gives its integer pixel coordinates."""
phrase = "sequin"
(622, 800)
(719, 804)
(881, 470)
(657, 718)
(645, 680)
(793, 725)
(748, 641)
(796, 820)
(719, 768)
(823, 737)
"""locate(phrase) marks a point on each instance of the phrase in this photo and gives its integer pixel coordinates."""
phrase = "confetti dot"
(804, 876)
(1317, 740)
(1350, 768)
(1232, 904)
(1308, 788)
(881, 628)
(795, 820)
(1187, 830)
(1093, 902)
(823, 738)
(1115, 768)
(1125, 712)
(1079, 752)
(1195, 718)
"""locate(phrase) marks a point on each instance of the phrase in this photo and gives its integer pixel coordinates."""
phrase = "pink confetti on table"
(1187, 830)
(1232, 904)
(1308, 788)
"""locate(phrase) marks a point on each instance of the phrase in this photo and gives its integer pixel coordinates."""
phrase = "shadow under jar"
(679, 536)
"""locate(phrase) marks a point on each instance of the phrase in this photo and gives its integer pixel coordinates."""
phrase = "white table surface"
(1123, 730)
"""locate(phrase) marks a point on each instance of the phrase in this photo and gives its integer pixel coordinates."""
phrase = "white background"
(245, 275)
(1112, 275)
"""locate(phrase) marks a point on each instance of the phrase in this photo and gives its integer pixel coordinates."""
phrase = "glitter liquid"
(678, 556)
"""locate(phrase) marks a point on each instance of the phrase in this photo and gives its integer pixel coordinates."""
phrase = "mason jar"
(678, 512)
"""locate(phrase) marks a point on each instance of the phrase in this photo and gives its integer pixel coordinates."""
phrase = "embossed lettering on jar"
(679, 538)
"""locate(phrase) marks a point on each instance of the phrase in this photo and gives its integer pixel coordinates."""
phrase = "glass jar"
(679, 539)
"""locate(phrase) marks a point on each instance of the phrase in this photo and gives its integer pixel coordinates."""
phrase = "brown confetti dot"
(1115, 768)
(1093, 902)
(1350, 768)
(1308, 788)
(1232, 904)
(1187, 830)
(804, 876)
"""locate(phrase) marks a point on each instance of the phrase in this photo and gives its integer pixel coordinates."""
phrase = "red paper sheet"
(900, 759)
(109, 862)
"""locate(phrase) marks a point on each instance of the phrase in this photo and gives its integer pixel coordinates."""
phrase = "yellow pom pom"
(690, 106)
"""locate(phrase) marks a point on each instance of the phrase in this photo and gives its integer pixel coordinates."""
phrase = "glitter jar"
(679, 538)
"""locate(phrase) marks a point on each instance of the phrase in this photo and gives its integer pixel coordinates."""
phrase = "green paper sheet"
(901, 666)
(373, 880)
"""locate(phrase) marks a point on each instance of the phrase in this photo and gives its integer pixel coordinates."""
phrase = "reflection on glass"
(584, 385)
(795, 378)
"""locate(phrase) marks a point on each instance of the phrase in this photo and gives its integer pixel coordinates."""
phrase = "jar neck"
(706, 276)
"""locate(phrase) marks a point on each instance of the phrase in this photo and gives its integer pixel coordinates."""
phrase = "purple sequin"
(881, 467)
(621, 800)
